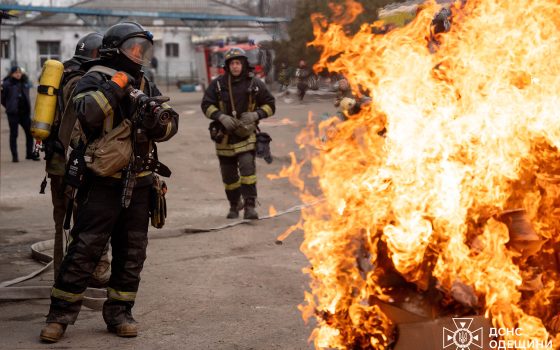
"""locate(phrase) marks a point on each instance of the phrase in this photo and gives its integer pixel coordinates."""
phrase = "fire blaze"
(447, 186)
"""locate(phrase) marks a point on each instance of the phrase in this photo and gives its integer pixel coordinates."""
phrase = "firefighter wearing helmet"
(235, 102)
(103, 101)
(86, 50)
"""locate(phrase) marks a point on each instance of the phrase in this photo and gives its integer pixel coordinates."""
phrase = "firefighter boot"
(234, 208)
(52, 332)
(233, 211)
(125, 330)
(250, 213)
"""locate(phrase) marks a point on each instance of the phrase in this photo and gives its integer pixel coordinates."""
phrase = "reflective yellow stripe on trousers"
(224, 149)
(70, 297)
(120, 295)
(248, 180)
(233, 186)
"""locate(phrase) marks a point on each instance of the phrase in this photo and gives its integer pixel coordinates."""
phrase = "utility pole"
(15, 44)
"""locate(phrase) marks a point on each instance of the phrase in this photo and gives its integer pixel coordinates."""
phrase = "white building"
(33, 38)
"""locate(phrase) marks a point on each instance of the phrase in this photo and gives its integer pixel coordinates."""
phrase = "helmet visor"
(138, 50)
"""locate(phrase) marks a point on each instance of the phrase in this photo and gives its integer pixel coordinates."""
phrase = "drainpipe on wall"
(15, 46)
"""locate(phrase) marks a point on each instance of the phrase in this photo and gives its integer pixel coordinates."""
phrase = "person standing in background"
(15, 98)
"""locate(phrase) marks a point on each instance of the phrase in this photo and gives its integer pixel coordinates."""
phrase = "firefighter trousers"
(239, 175)
(59, 201)
(100, 218)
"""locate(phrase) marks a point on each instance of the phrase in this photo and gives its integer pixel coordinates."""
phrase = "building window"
(172, 50)
(48, 50)
(4, 48)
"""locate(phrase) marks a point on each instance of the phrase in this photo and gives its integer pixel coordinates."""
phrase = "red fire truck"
(210, 60)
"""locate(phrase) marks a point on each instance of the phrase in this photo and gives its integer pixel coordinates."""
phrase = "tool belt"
(151, 164)
(158, 204)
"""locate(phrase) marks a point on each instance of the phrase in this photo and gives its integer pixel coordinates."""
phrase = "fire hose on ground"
(293, 209)
(95, 297)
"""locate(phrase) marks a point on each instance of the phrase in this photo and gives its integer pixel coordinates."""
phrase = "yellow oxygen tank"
(47, 97)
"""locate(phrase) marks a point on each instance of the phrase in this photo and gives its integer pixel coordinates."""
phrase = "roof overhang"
(184, 16)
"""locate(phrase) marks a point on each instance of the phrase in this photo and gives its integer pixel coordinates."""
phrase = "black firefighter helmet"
(236, 53)
(130, 39)
(88, 46)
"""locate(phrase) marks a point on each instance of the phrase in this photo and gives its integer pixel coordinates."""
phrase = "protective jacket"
(15, 96)
(100, 106)
(242, 94)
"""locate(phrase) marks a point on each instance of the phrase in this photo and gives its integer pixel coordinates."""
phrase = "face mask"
(124, 64)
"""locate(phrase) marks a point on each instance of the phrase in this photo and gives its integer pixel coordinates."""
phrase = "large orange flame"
(471, 131)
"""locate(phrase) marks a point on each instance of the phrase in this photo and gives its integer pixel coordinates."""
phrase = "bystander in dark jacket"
(15, 98)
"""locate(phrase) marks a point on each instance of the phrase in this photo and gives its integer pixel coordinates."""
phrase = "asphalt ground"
(227, 289)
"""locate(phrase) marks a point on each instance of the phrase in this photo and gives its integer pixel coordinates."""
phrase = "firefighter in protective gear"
(284, 77)
(302, 75)
(236, 101)
(87, 49)
(101, 103)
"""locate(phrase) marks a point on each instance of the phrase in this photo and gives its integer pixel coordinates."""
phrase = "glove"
(245, 130)
(229, 122)
(122, 79)
(249, 117)
(248, 124)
